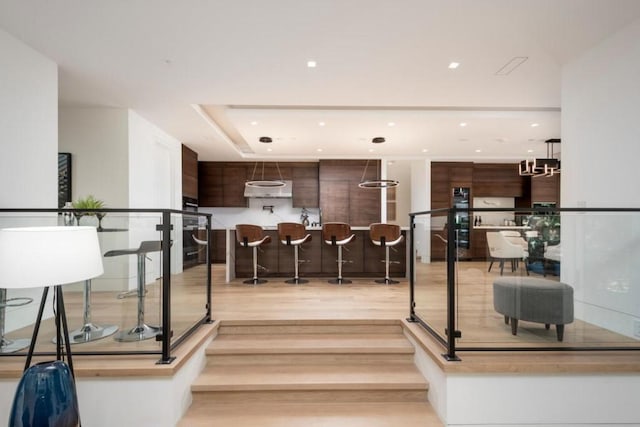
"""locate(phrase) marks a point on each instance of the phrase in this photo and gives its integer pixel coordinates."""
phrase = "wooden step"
(320, 373)
(309, 344)
(355, 382)
(328, 326)
(328, 414)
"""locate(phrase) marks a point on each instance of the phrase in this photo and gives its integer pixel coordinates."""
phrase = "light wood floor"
(481, 326)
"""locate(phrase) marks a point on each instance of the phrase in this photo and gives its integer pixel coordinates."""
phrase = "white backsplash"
(283, 211)
(494, 218)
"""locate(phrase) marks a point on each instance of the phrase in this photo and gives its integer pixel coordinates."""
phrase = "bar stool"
(293, 234)
(89, 331)
(252, 236)
(337, 234)
(387, 236)
(141, 331)
(11, 346)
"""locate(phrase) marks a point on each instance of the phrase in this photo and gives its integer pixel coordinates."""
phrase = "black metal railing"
(130, 225)
(599, 251)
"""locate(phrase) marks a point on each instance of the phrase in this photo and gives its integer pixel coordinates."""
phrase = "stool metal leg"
(340, 280)
(387, 280)
(296, 280)
(255, 280)
(141, 331)
(89, 331)
(9, 346)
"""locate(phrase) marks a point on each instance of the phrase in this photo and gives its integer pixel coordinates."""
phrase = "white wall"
(600, 152)
(29, 146)
(28, 127)
(97, 139)
(155, 182)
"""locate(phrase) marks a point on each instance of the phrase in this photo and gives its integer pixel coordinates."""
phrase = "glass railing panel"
(430, 266)
(188, 273)
(19, 307)
(577, 269)
(101, 311)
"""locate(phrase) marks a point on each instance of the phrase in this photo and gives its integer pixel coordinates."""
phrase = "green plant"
(88, 204)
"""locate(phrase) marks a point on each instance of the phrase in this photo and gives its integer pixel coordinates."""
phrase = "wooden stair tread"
(298, 377)
(316, 343)
(326, 414)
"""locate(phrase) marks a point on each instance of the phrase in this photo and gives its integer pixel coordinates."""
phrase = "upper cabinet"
(189, 173)
(546, 189)
(221, 184)
(341, 200)
(306, 186)
(497, 180)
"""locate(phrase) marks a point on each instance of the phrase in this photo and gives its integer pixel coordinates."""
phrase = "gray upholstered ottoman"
(534, 300)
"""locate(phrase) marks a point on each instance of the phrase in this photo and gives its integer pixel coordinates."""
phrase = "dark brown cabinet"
(218, 246)
(306, 186)
(341, 200)
(497, 180)
(221, 184)
(189, 173)
(210, 184)
(546, 189)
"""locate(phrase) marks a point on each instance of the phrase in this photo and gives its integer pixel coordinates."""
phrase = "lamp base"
(8, 346)
(91, 332)
(138, 333)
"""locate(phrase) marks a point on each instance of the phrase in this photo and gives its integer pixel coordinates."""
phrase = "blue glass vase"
(46, 397)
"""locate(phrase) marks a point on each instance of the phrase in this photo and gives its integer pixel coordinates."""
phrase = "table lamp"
(43, 257)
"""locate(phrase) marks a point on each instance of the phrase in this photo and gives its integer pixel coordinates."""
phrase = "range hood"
(266, 192)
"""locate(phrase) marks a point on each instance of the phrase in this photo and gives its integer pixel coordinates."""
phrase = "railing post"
(209, 286)
(451, 332)
(412, 266)
(165, 228)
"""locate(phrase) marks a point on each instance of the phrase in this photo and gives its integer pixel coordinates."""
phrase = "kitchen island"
(363, 258)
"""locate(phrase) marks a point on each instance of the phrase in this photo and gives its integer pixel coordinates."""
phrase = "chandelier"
(548, 166)
(376, 183)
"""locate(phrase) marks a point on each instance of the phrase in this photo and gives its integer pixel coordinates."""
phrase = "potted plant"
(86, 206)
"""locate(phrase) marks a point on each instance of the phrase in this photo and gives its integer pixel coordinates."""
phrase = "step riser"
(309, 329)
(311, 396)
(304, 359)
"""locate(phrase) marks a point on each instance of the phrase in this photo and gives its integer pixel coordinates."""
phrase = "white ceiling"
(245, 61)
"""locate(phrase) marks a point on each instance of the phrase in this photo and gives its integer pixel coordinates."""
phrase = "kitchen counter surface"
(275, 227)
(501, 227)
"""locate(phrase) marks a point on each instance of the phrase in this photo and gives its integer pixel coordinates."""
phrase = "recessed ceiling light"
(454, 65)
(391, 124)
(319, 150)
(321, 123)
(311, 64)
(254, 123)
(463, 124)
(478, 150)
(424, 150)
(269, 149)
(390, 162)
(371, 150)
(534, 125)
(529, 151)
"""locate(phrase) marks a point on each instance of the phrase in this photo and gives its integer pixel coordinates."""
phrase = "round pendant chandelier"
(264, 183)
(376, 183)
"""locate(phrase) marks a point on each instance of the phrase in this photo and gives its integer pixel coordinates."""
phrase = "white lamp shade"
(46, 256)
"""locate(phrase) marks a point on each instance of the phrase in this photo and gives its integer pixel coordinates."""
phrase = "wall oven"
(190, 249)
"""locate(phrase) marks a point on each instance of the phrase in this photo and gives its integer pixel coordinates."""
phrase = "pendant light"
(546, 167)
(264, 183)
(376, 183)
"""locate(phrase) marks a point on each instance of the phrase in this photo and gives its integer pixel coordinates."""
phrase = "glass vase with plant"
(86, 207)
